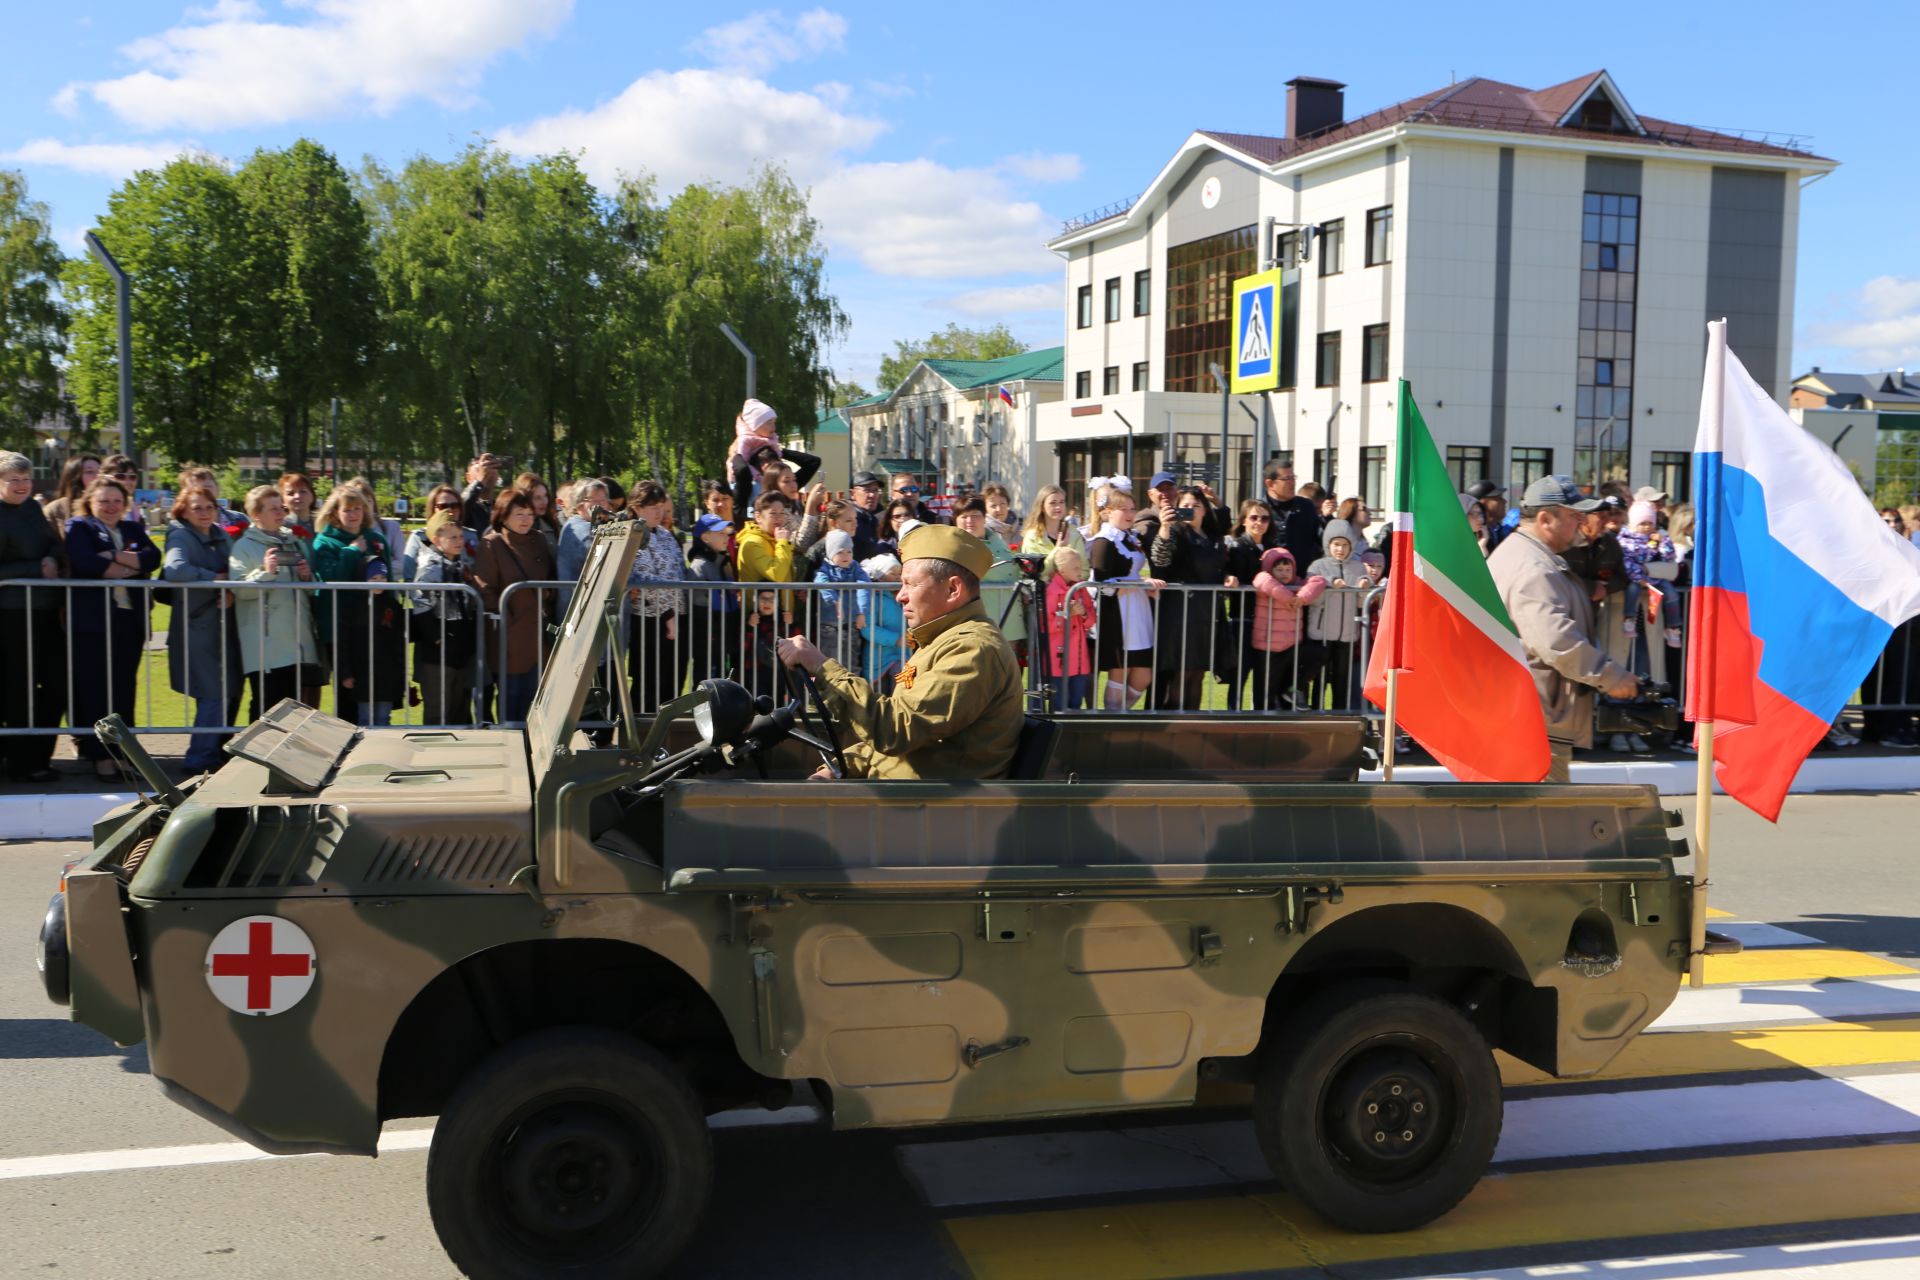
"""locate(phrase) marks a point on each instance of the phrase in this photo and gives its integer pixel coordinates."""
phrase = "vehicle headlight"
(725, 713)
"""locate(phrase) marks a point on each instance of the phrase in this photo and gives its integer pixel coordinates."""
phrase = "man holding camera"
(1553, 611)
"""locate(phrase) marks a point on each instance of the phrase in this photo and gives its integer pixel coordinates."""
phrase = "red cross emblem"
(260, 965)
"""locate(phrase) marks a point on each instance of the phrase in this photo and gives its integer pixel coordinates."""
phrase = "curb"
(63, 816)
(1679, 777)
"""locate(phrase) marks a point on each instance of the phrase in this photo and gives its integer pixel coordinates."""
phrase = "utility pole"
(123, 308)
(1226, 415)
(1129, 427)
(745, 350)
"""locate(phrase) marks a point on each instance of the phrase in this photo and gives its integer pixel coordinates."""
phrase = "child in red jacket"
(1070, 655)
(1278, 599)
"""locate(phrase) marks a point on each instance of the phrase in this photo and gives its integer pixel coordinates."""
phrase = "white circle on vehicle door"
(261, 965)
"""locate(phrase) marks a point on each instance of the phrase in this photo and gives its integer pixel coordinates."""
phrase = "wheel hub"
(574, 1172)
(1386, 1113)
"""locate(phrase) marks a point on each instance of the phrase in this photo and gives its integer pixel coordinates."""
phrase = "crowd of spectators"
(1168, 599)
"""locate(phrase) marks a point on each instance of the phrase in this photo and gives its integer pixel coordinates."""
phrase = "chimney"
(1314, 104)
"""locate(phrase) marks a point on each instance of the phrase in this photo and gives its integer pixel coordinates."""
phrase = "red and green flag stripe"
(1465, 693)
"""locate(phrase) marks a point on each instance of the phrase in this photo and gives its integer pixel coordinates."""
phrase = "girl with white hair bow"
(755, 443)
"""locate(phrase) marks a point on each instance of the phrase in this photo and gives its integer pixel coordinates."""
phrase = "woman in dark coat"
(108, 627)
(366, 630)
(1253, 536)
(513, 551)
(1187, 628)
(203, 645)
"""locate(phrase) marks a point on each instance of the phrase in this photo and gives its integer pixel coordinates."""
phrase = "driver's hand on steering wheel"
(798, 651)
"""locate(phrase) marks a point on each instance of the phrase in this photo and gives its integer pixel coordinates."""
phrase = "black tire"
(572, 1152)
(1430, 1076)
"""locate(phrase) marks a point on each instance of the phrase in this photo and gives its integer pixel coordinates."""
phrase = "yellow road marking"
(1162, 1241)
(1715, 913)
(1798, 964)
(1866, 1043)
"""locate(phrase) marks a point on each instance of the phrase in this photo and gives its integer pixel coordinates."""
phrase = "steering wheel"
(809, 691)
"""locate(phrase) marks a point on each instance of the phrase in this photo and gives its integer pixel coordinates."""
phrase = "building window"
(1110, 380)
(1672, 474)
(1379, 236)
(1467, 464)
(1326, 470)
(1086, 306)
(1200, 276)
(1603, 381)
(1326, 364)
(1373, 354)
(1529, 465)
(1373, 477)
(1140, 376)
(1082, 385)
(1142, 292)
(1286, 250)
(1332, 237)
(1113, 299)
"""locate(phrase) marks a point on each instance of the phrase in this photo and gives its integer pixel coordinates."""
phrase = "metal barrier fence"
(431, 654)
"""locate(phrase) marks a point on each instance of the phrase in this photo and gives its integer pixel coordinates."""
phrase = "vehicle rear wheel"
(1380, 1110)
(576, 1151)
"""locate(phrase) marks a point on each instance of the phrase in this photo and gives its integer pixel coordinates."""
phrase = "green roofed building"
(959, 424)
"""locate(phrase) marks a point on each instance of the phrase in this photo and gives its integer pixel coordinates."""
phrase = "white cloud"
(1009, 300)
(762, 41)
(909, 218)
(1037, 167)
(103, 159)
(1886, 331)
(921, 218)
(225, 67)
(695, 125)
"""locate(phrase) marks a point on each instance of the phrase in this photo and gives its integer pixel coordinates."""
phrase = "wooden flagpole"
(1713, 409)
(1702, 825)
(1392, 729)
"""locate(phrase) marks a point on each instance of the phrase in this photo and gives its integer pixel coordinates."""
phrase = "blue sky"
(944, 144)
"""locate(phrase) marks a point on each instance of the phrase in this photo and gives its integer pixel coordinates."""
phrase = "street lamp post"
(123, 307)
(1226, 415)
(745, 350)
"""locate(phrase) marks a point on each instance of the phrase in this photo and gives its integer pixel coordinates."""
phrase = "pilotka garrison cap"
(944, 542)
(1557, 491)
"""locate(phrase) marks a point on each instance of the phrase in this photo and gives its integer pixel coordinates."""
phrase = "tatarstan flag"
(1465, 693)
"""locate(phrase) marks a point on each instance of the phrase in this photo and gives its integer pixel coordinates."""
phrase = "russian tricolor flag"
(1006, 396)
(1797, 584)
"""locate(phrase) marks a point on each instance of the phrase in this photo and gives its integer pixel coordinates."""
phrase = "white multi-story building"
(1539, 264)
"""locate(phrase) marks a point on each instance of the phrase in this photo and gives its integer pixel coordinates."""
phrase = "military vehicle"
(572, 954)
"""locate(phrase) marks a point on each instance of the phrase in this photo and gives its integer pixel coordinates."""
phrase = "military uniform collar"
(926, 632)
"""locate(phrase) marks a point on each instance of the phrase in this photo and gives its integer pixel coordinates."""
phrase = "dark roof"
(1846, 390)
(1479, 103)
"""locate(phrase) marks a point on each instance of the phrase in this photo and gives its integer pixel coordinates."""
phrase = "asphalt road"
(795, 1200)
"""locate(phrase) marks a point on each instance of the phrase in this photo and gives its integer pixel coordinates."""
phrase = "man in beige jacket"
(1553, 612)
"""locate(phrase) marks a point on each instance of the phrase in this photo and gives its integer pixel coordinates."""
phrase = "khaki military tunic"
(955, 710)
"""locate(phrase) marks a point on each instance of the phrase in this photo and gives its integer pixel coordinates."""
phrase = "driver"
(955, 710)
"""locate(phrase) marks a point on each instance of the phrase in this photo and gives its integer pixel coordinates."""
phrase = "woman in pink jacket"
(1276, 626)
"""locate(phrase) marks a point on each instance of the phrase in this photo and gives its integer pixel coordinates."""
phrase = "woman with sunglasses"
(1252, 536)
(442, 497)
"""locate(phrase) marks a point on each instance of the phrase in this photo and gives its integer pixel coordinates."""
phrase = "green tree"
(33, 324)
(950, 343)
(845, 393)
(749, 256)
(311, 261)
(181, 233)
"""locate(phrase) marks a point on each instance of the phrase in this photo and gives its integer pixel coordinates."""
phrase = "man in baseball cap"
(1553, 611)
(955, 710)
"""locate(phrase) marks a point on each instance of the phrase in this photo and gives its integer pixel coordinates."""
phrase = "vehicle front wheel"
(575, 1151)
(1379, 1109)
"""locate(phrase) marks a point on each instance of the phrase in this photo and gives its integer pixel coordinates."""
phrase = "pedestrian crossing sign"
(1256, 322)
